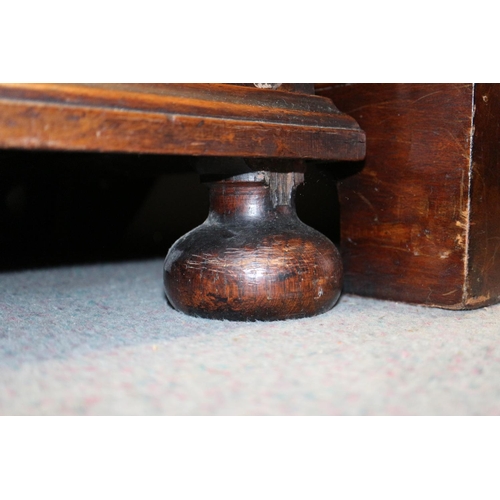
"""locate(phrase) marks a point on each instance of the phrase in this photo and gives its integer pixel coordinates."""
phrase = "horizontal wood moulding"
(181, 119)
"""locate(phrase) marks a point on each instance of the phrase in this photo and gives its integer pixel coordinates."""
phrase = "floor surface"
(102, 340)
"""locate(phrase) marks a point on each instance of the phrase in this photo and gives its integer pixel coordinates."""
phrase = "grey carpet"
(102, 340)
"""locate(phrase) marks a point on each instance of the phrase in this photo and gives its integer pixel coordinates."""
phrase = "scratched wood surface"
(420, 221)
(181, 119)
(253, 259)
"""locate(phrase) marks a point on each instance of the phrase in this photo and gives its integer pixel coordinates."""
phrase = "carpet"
(102, 340)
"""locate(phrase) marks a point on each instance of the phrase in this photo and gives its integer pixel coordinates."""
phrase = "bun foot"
(253, 259)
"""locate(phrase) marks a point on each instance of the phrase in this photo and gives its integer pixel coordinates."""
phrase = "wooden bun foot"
(253, 259)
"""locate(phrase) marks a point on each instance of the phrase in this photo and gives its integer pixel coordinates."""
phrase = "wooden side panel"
(404, 217)
(484, 258)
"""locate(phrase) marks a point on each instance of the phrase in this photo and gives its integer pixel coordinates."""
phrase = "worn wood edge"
(40, 125)
(471, 303)
(467, 300)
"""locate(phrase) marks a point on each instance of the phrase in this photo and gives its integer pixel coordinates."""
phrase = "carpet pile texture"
(102, 340)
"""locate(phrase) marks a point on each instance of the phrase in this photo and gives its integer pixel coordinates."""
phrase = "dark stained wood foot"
(253, 259)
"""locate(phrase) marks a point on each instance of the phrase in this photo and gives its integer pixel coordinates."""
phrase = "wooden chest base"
(420, 222)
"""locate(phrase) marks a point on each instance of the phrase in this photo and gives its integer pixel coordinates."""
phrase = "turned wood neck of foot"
(259, 196)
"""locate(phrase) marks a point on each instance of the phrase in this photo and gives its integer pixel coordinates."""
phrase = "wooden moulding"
(180, 119)
(420, 222)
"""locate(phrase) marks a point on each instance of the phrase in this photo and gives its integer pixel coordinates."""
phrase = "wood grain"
(253, 259)
(420, 220)
(404, 222)
(181, 119)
